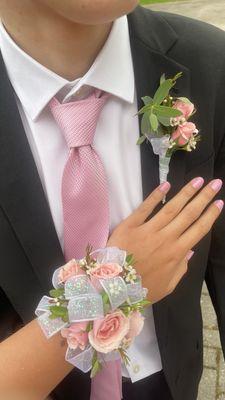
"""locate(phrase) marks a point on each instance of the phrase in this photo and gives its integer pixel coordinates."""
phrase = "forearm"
(31, 366)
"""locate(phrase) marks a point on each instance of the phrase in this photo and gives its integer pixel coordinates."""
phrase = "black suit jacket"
(29, 247)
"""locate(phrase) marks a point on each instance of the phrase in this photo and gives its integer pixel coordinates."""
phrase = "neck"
(64, 47)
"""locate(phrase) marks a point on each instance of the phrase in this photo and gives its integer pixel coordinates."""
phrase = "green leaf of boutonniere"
(147, 100)
(145, 124)
(154, 122)
(165, 121)
(163, 91)
(168, 112)
(141, 139)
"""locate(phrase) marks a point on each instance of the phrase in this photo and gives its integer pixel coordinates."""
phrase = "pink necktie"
(84, 186)
(85, 203)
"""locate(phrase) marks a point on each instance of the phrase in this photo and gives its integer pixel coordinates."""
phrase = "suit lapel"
(150, 44)
(21, 194)
(151, 39)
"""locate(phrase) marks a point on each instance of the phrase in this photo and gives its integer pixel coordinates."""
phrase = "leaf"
(96, 368)
(89, 327)
(124, 356)
(52, 316)
(145, 124)
(163, 91)
(154, 122)
(144, 109)
(105, 298)
(177, 76)
(56, 292)
(58, 311)
(141, 139)
(162, 79)
(165, 121)
(147, 100)
(163, 111)
(129, 259)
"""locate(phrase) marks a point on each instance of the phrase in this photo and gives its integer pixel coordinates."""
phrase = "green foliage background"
(155, 1)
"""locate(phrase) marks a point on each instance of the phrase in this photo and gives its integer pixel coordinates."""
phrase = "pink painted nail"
(219, 204)
(190, 254)
(164, 187)
(216, 184)
(197, 182)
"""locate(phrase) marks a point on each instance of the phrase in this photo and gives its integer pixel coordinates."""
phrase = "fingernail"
(190, 254)
(216, 184)
(164, 187)
(219, 204)
(197, 182)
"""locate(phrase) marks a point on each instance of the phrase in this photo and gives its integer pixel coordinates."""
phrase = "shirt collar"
(35, 85)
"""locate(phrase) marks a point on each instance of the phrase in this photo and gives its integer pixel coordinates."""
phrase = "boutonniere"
(166, 124)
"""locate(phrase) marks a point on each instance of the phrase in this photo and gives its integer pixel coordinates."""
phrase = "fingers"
(194, 209)
(139, 216)
(174, 206)
(202, 226)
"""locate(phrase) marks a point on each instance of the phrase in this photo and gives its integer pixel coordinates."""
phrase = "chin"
(91, 12)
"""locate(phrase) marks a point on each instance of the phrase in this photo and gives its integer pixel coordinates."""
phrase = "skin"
(160, 245)
(74, 30)
(65, 36)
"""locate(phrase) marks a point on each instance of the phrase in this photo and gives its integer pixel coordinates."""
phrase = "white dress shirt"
(115, 141)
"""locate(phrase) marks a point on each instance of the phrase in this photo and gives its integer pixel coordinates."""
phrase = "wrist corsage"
(97, 304)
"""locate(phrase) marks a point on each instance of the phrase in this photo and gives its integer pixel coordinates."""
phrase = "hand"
(162, 246)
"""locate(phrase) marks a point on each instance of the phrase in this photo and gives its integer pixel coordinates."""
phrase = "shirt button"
(136, 368)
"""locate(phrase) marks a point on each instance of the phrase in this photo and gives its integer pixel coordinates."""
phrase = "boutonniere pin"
(166, 124)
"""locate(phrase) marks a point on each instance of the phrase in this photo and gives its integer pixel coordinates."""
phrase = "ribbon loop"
(85, 308)
(77, 286)
(135, 291)
(80, 359)
(110, 255)
(116, 289)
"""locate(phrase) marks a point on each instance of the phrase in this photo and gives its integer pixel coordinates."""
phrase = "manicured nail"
(190, 254)
(164, 187)
(197, 183)
(216, 184)
(219, 204)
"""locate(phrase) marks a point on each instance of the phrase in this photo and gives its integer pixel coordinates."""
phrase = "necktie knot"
(78, 119)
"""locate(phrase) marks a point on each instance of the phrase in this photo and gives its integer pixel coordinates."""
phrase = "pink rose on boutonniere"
(68, 270)
(76, 335)
(106, 271)
(108, 332)
(184, 133)
(186, 108)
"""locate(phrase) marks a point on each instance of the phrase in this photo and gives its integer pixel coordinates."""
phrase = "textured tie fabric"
(84, 187)
(85, 203)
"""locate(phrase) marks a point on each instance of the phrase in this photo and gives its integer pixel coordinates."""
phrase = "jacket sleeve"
(10, 321)
(215, 273)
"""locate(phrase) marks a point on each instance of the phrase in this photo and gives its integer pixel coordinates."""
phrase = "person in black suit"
(29, 246)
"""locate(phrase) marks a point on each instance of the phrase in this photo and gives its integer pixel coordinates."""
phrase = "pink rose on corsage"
(108, 332)
(136, 326)
(76, 335)
(186, 108)
(184, 133)
(68, 270)
(106, 271)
